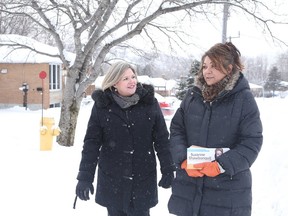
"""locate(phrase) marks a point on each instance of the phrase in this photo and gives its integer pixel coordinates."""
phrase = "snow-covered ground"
(35, 182)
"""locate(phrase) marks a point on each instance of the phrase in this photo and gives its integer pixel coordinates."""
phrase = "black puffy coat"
(123, 143)
(232, 120)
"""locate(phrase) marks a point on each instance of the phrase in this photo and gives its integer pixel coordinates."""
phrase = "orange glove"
(210, 169)
(191, 172)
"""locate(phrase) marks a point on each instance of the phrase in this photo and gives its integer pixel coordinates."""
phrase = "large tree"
(95, 27)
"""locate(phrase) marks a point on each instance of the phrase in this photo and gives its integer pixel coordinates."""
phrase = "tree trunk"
(69, 114)
(67, 124)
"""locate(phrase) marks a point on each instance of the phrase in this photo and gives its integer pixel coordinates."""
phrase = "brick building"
(20, 69)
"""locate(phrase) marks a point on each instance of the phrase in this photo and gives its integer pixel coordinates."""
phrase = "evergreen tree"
(273, 81)
(187, 83)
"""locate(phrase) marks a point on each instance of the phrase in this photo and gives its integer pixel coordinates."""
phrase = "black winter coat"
(232, 120)
(123, 143)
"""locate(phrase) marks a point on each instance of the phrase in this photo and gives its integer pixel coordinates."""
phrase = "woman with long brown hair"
(219, 111)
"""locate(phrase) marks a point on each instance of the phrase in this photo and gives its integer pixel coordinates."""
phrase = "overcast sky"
(253, 40)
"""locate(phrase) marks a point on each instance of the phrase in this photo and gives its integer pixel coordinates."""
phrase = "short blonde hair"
(115, 73)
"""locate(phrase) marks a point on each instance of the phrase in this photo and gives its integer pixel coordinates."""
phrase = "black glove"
(166, 180)
(83, 188)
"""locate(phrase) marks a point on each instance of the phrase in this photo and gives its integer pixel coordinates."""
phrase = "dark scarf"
(125, 102)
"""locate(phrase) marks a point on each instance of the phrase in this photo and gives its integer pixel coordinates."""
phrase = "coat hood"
(104, 98)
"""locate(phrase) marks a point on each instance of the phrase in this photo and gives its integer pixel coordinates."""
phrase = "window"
(54, 77)
(54, 105)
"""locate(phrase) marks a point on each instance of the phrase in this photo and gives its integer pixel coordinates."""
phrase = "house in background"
(28, 78)
(164, 87)
(257, 90)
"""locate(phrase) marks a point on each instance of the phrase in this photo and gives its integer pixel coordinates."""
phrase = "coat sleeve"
(178, 139)
(249, 142)
(161, 141)
(91, 148)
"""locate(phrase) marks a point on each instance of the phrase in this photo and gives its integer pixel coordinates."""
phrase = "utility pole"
(225, 19)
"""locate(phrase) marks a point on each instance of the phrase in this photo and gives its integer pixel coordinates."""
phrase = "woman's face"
(127, 84)
(210, 73)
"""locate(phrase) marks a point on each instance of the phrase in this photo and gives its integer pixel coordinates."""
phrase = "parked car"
(165, 105)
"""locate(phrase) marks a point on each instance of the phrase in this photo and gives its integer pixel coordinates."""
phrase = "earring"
(115, 90)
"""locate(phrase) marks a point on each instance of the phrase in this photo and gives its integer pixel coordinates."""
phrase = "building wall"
(16, 75)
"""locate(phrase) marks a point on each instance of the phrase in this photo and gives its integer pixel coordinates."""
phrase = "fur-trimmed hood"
(104, 98)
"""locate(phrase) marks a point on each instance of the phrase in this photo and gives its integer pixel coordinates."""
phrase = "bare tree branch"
(94, 28)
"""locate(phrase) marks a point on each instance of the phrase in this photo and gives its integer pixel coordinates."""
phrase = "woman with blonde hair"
(125, 132)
